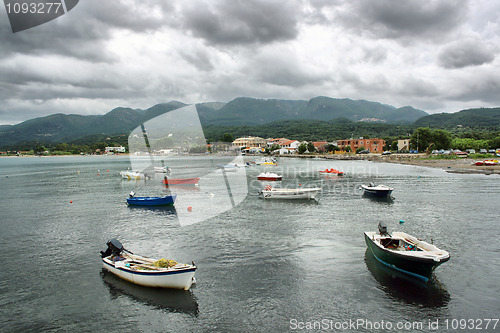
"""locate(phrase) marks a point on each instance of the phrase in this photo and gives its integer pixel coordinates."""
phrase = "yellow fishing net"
(164, 263)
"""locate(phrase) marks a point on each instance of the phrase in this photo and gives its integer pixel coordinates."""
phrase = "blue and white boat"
(146, 271)
(377, 191)
(151, 201)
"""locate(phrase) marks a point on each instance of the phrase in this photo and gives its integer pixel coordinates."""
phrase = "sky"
(434, 55)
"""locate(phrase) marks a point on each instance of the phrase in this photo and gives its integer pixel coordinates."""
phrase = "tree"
(441, 139)
(310, 147)
(301, 149)
(421, 138)
(39, 150)
(227, 137)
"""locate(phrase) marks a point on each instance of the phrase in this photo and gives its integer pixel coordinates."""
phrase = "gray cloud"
(241, 22)
(415, 19)
(465, 53)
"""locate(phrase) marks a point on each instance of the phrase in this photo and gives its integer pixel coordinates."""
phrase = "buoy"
(71, 202)
(401, 221)
(190, 209)
(108, 171)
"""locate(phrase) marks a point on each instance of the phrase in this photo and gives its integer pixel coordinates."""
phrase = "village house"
(374, 145)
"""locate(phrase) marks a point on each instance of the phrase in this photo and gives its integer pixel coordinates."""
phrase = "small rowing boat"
(151, 201)
(146, 271)
(377, 191)
(290, 194)
(180, 181)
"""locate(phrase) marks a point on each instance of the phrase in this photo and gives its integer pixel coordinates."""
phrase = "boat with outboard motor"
(405, 253)
(377, 191)
(146, 271)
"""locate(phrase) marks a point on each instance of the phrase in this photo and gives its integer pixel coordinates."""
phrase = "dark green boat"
(405, 253)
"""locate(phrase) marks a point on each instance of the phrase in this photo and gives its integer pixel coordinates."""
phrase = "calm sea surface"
(263, 266)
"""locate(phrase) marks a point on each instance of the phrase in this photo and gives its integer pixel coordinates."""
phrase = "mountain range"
(238, 112)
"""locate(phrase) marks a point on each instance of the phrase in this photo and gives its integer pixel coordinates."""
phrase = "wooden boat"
(146, 271)
(295, 194)
(180, 181)
(269, 176)
(479, 163)
(151, 201)
(332, 171)
(490, 162)
(405, 253)
(377, 191)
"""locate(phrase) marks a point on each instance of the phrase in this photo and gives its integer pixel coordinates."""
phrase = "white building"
(115, 149)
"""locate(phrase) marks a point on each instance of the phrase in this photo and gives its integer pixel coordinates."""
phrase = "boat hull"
(175, 279)
(305, 194)
(152, 201)
(181, 181)
(418, 267)
(377, 192)
(270, 178)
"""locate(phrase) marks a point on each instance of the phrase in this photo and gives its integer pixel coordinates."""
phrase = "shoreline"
(458, 165)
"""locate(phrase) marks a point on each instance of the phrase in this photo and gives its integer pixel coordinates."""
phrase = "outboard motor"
(382, 228)
(114, 247)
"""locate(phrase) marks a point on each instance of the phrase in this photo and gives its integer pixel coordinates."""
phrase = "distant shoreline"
(458, 165)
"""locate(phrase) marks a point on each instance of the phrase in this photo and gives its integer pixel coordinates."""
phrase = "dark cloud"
(482, 87)
(465, 53)
(414, 19)
(241, 21)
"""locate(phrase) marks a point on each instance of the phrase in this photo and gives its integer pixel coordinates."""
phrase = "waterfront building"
(374, 145)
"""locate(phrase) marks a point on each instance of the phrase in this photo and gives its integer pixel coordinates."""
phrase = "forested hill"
(482, 117)
(251, 111)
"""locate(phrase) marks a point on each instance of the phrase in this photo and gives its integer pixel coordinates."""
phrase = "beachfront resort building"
(250, 142)
(374, 145)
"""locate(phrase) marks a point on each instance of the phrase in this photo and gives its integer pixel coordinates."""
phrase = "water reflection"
(158, 210)
(402, 287)
(384, 200)
(171, 300)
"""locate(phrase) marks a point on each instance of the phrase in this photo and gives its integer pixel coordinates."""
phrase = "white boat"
(297, 193)
(377, 191)
(269, 176)
(132, 175)
(145, 271)
(162, 169)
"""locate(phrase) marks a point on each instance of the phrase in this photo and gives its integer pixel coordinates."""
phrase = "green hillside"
(482, 117)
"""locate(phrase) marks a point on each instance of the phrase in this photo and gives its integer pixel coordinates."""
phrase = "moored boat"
(332, 171)
(180, 181)
(145, 271)
(132, 175)
(377, 191)
(269, 176)
(405, 253)
(479, 163)
(295, 194)
(151, 201)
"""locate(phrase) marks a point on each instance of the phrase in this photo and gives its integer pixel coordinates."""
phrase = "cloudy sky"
(435, 55)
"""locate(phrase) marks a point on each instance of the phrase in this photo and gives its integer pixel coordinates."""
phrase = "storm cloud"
(434, 55)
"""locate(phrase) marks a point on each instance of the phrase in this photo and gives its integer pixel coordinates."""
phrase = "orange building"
(373, 145)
